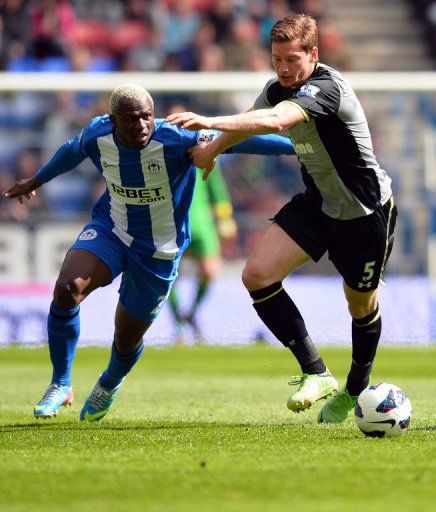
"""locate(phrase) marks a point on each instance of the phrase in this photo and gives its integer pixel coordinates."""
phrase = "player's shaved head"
(129, 92)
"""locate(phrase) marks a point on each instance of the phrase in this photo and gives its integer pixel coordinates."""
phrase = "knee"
(361, 310)
(67, 293)
(209, 267)
(254, 278)
(126, 346)
(208, 273)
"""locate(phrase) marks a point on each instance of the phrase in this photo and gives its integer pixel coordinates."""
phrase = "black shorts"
(358, 248)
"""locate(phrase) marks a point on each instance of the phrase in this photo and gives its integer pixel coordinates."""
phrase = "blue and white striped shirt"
(148, 191)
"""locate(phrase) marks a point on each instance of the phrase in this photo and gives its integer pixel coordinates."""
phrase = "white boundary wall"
(195, 82)
(227, 316)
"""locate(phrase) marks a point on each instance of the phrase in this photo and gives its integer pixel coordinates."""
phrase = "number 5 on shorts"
(368, 272)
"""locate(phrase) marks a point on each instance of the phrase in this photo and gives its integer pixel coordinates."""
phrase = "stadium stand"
(384, 35)
(425, 10)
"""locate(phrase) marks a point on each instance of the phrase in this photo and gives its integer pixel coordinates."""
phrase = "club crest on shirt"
(152, 167)
(307, 90)
(88, 234)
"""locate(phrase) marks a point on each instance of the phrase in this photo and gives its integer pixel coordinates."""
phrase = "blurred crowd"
(148, 35)
(425, 10)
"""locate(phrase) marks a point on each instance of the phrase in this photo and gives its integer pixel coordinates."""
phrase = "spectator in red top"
(52, 24)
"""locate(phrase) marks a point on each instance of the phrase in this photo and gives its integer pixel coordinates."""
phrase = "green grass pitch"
(207, 428)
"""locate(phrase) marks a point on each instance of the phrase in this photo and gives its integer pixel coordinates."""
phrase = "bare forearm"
(253, 122)
(227, 140)
(249, 123)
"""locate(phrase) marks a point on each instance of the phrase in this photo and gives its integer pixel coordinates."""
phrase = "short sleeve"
(262, 100)
(318, 97)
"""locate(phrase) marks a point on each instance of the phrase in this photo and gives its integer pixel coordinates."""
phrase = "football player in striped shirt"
(139, 229)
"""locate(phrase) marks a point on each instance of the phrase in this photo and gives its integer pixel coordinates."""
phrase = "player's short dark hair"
(296, 26)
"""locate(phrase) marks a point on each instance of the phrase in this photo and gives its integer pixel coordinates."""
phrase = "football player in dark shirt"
(347, 209)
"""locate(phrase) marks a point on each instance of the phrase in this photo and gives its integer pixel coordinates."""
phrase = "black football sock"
(365, 335)
(279, 313)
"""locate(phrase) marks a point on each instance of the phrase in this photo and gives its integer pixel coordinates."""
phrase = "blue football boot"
(98, 403)
(55, 397)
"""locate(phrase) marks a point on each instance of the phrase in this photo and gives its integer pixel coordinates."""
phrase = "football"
(383, 410)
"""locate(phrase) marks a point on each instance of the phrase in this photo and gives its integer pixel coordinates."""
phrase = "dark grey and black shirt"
(334, 145)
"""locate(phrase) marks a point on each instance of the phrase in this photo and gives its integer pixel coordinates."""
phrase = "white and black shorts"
(358, 248)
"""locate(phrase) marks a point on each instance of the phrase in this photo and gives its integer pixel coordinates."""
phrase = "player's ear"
(112, 118)
(313, 54)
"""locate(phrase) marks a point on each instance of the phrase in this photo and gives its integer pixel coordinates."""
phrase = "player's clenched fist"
(203, 157)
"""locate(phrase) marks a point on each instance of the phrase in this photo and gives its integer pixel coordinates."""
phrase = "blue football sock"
(63, 326)
(119, 367)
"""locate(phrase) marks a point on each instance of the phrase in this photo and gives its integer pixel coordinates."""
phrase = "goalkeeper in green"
(211, 219)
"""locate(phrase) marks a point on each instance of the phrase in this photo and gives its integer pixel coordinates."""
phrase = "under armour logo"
(365, 285)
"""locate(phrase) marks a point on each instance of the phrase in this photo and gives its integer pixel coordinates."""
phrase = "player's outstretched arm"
(264, 145)
(262, 121)
(23, 188)
(204, 155)
(190, 121)
(66, 158)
